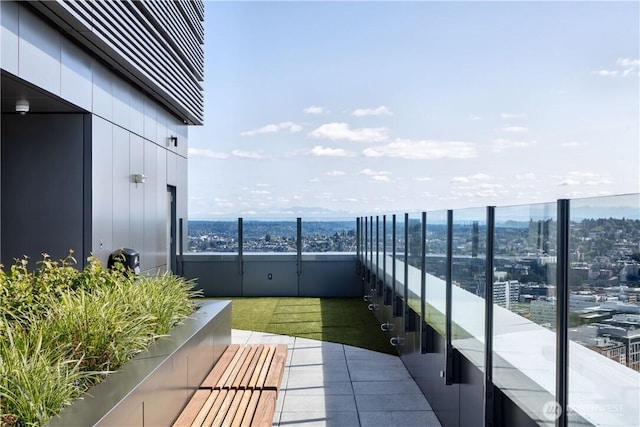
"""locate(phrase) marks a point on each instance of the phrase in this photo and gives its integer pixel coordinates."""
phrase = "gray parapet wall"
(153, 387)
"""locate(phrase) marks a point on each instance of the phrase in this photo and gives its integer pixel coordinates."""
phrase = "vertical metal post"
(449, 374)
(405, 305)
(299, 250)
(366, 250)
(240, 255)
(371, 246)
(489, 392)
(562, 313)
(375, 284)
(393, 267)
(358, 245)
(423, 285)
(384, 258)
(181, 245)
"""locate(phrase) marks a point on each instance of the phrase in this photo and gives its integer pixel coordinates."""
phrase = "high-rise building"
(96, 101)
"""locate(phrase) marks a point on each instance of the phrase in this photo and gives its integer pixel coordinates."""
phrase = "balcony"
(516, 315)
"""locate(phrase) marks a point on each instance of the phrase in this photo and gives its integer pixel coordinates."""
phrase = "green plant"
(35, 379)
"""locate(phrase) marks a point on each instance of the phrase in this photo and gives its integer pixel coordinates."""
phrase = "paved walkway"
(335, 385)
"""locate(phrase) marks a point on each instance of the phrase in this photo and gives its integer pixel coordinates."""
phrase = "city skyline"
(332, 109)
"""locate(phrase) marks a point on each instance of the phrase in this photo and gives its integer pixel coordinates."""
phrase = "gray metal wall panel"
(121, 185)
(136, 194)
(150, 124)
(284, 280)
(149, 254)
(39, 54)
(102, 188)
(219, 279)
(121, 103)
(102, 92)
(42, 185)
(172, 169)
(337, 279)
(76, 75)
(182, 196)
(9, 22)
(136, 111)
(162, 209)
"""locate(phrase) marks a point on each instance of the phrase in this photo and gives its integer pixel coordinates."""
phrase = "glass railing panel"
(328, 236)
(524, 338)
(270, 236)
(435, 270)
(414, 258)
(213, 236)
(401, 244)
(468, 279)
(389, 249)
(604, 311)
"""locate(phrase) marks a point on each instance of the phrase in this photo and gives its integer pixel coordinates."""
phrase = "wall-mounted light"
(139, 178)
(173, 140)
(22, 106)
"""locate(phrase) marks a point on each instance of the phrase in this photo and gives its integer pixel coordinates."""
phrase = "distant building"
(543, 312)
(506, 293)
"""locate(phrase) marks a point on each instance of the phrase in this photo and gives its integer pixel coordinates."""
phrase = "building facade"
(97, 98)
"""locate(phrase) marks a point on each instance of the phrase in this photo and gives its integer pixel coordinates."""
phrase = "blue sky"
(365, 107)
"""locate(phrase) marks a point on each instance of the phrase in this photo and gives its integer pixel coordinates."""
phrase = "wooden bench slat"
(190, 412)
(204, 411)
(244, 368)
(258, 368)
(244, 383)
(265, 368)
(263, 417)
(242, 409)
(224, 408)
(251, 409)
(276, 368)
(222, 395)
(228, 379)
(221, 365)
(233, 408)
(230, 369)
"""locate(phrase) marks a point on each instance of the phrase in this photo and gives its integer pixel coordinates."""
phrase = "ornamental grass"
(63, 329)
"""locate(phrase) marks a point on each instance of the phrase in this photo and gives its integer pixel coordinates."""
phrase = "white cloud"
(316, 110)
(499, 145)
(273, 128)
(423, 150)
(471, 178)
(422, 178)
(370, 172)
(472, 117)
(511, 115)
(529, 176)
(314, 180)
(605, 73)
(260, 192)
(378, 111)
(380, 178)
(319, 150)
(335, 173)
(514, 129)
(585, 178)
(338, 131)
(625, 67)
(247, 154)
(204, 152)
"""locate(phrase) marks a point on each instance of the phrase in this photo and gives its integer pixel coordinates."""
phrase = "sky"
(341, 109)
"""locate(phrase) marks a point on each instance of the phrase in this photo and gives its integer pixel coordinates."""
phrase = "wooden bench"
(241, 389)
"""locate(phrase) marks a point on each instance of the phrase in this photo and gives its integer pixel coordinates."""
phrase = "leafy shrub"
(63, 329)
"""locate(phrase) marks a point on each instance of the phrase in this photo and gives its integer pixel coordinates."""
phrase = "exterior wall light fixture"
(22, 106)
(139, 178)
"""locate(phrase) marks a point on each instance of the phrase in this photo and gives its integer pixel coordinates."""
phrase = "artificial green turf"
(340, 320)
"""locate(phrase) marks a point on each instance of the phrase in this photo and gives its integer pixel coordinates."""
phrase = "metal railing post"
(562, 313)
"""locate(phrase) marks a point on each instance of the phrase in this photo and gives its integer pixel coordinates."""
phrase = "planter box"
(153, 387)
